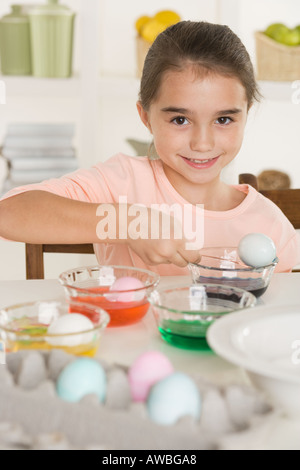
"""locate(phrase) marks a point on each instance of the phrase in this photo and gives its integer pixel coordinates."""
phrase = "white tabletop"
(122, 345)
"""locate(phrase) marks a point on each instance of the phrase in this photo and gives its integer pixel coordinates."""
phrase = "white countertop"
(122, 345)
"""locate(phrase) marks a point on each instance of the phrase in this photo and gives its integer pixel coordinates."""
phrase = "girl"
(197, 87)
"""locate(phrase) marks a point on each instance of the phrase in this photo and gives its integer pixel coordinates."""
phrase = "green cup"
(15, 43)
(52, 31)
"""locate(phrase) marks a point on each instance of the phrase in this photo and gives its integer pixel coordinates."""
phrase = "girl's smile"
(201, 163)
(197, 121)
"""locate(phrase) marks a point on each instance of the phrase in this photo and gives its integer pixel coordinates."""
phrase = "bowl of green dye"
(184, 313)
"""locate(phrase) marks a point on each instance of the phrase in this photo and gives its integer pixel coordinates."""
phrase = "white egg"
(257, 250)
(68, 324)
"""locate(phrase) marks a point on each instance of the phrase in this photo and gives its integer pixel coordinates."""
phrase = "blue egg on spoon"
(257, 250)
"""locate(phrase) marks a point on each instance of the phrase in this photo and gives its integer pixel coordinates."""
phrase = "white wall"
(272, 138)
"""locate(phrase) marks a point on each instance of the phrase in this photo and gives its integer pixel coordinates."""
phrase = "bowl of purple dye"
(222, 265)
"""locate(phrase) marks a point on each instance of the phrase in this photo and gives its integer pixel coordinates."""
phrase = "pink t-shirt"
(143, 181)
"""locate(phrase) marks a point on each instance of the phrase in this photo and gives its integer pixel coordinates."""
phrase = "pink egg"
(127, 283)
(148, 369)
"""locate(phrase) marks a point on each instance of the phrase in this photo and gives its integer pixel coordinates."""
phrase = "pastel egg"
(257, 250)
(172, 398)
(82, 377)
(68, 325)
(127, 283)
(146, 370)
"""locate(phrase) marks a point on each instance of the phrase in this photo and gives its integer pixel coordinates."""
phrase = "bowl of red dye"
(121, 291)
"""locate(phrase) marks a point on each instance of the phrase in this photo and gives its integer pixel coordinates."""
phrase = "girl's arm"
(42, 217)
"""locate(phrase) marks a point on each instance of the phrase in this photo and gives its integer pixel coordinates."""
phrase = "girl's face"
(197, 125)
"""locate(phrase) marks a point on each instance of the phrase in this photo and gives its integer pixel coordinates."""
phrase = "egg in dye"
(173, 398)
(127, 283)
(82, 377)
(147, 369)
(257, 250)
(67, 324)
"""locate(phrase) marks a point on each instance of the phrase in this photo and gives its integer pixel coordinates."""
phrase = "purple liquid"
(257, 287)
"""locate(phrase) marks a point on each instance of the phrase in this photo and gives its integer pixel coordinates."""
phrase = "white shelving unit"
(82, 87)
(39, 87)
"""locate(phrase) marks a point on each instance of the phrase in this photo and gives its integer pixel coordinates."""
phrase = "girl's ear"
(143, 115)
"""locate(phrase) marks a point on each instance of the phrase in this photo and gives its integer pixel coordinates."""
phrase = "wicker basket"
(142, 47)
(276, 61)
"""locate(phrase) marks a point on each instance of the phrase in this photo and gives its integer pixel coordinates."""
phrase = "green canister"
(15, 43)
(52, 31)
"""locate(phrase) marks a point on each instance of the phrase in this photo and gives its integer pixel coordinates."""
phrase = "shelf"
(42, 87)
(117, 86)
(279, 91)
(129, 87)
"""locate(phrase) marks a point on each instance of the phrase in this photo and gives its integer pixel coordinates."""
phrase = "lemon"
(167, 17)
(152, 29)
(140, 23)
(273, 28)
(297, 28)
(291, 37)
(279, 32)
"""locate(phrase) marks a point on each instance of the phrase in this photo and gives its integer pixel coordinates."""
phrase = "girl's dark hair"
(214, 47)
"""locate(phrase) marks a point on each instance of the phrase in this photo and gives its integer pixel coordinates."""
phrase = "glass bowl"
(92, 284)
(222, 265)
(184, 313)
(25, 326)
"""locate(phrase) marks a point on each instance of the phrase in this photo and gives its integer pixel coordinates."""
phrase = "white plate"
(265, 341)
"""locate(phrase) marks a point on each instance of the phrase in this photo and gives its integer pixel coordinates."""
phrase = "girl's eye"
(224, 120)
(180, 120)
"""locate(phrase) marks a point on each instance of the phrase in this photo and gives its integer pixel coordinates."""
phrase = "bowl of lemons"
(278, 52)
(148, 28)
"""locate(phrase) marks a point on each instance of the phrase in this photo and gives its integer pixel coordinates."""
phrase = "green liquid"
(186, 334)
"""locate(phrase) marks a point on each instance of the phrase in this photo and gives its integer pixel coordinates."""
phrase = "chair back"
(288, 200)
(35, 256)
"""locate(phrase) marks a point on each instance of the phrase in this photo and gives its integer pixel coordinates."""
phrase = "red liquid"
(121, 313)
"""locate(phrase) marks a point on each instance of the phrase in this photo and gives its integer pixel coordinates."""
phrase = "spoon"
(223, 259)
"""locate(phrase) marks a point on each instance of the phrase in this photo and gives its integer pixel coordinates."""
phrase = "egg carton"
(28, 401)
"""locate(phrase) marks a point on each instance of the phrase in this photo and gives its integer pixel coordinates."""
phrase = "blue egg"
(82, 377)
(172, 398)
(257, 250)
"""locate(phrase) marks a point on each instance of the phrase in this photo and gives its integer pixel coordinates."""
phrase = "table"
(123, 345)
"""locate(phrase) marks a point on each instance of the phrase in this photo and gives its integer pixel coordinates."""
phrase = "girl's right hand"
(161, 249)
(154, 252)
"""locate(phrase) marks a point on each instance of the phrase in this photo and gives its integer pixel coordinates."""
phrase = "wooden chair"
(35, 256)
(288, 200)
